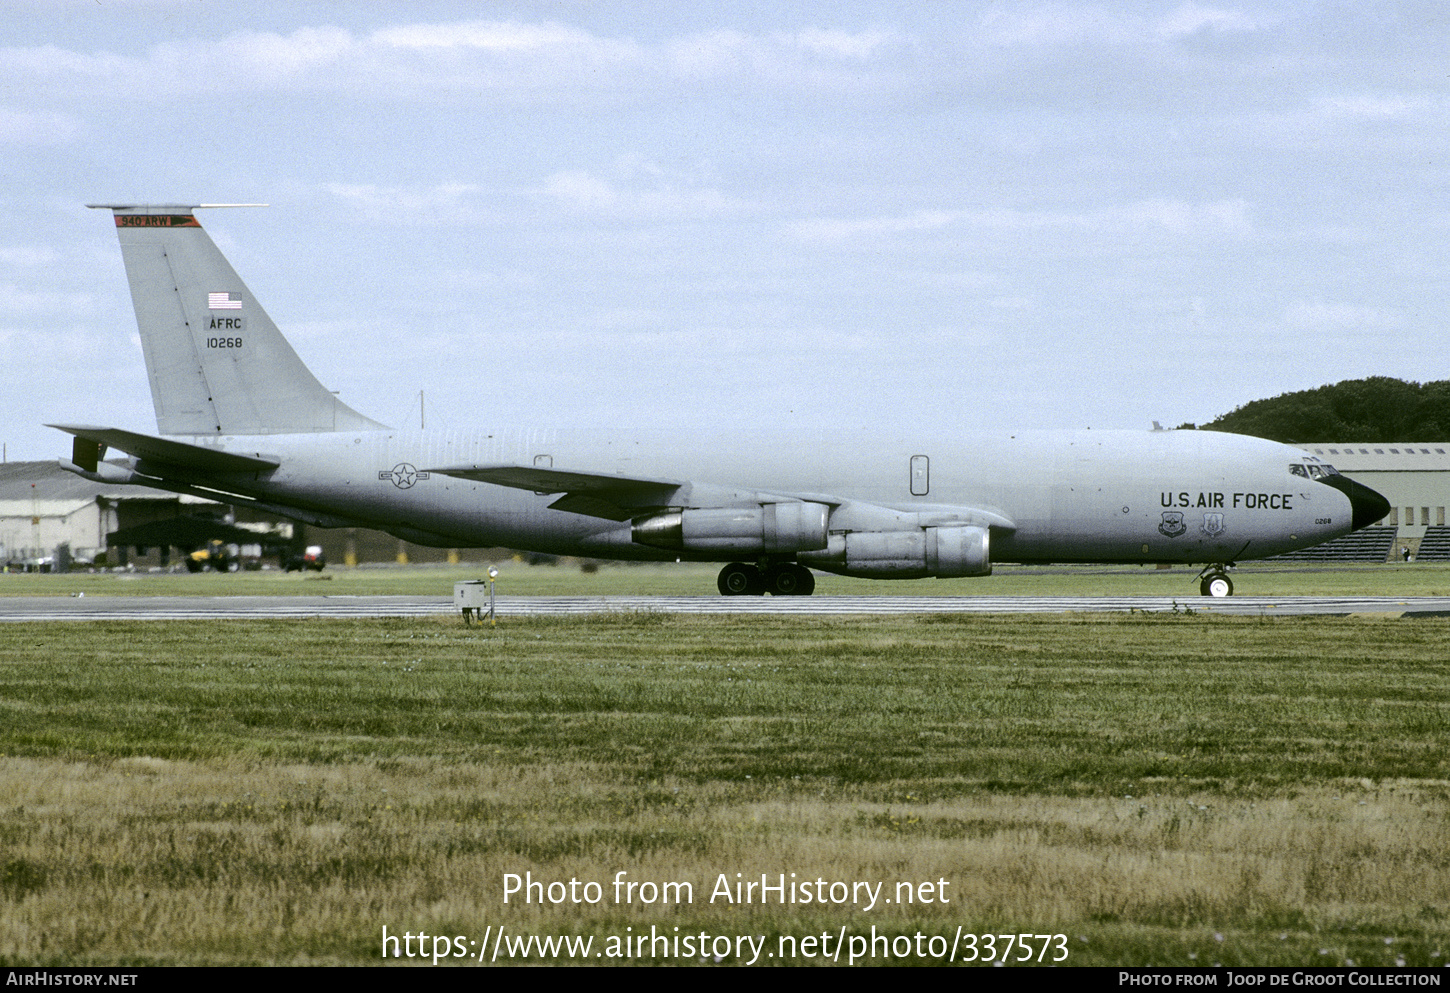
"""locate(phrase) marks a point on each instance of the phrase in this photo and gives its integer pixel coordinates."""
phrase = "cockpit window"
(1298, 470)
(1316, 472)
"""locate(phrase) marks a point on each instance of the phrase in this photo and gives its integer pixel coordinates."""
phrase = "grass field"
(1155, 789)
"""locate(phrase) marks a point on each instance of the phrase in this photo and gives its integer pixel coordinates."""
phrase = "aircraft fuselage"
(1072, 496)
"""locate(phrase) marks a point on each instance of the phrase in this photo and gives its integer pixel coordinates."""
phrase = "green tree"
(1378, 409)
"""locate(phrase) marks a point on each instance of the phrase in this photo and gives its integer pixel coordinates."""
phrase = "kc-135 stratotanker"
(240, 419)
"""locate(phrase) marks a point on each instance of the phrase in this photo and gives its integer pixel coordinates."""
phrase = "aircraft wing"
(622, 498)
(614, 498)
(92, 441)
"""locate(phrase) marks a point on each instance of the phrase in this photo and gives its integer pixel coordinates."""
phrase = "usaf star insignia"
(403, 475)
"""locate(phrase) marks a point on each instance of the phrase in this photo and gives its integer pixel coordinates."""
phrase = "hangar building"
(1415, 479)
(48, 515)
(50, 518)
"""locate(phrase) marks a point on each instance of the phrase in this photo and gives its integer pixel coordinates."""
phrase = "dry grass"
(149, 861)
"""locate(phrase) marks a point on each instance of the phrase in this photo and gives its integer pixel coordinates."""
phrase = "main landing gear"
(780, 579)
(1214, 581)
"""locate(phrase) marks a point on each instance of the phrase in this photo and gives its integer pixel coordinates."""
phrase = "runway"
(137, 608)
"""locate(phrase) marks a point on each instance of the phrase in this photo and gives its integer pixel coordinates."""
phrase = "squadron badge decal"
(1212, 525)
(1172, 525)
(403, 475)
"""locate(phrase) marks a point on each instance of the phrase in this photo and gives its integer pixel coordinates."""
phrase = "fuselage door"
(920, 475)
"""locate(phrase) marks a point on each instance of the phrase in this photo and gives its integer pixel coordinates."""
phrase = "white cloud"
(1384, 107)
(840, 44)
(580, 190)
(442, 203)
(843, 229)
(46, 64)
(495, 36)
(26, 257)
(1049, 25)
(814, 58)
(1337, 316)
(644, 192)
(241, 61)
(272, 58)
(43, 128)
(637, 191)
(1064, 24)
(465, 56)
(1180, 217)
(1174, 216)
(1191, 18)
(15, 300)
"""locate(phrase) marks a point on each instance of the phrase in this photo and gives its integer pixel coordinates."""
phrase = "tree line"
(1378, 409)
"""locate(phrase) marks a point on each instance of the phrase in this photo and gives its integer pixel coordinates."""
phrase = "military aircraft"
(241, 420)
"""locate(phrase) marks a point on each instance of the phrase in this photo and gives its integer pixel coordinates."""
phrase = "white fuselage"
(1062, 496)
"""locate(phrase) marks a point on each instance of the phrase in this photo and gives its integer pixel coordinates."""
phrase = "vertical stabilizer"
(217, 363)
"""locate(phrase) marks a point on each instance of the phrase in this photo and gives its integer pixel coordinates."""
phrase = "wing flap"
(545, 480)
(594, 494)
(591, 506)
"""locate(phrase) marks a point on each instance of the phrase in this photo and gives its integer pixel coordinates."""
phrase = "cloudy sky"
(1010, 214)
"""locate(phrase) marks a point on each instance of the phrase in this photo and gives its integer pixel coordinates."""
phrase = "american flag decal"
(223, 301)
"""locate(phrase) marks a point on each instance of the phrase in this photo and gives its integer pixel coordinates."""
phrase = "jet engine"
(769, 527)
(934, 551)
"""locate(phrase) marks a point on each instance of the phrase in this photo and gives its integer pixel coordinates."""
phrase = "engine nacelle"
(940, 551)
(770, 527)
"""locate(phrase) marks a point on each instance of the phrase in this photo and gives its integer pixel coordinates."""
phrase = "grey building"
(1414, 477)
(47, 513)
(50, 518)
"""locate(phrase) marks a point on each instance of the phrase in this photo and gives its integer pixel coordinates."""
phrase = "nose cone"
(1368, 505)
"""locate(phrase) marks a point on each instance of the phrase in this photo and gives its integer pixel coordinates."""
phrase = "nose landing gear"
(1214, 581)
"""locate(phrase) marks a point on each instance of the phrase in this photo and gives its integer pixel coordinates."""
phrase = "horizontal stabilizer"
(615, 498)
(168, 451)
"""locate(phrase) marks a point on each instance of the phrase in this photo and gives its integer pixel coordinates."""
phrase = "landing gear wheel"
(1216, 584)
(790, 579)
(739, 579)
(806, 585)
